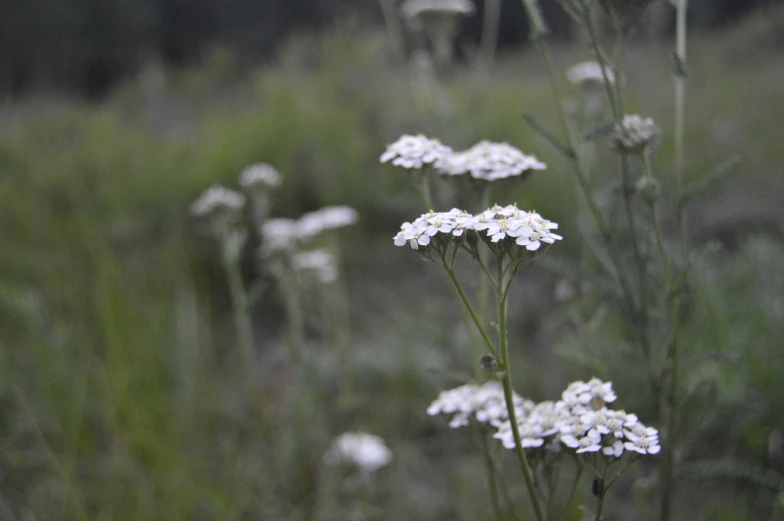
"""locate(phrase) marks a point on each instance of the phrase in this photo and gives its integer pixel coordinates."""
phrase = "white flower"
(485, 403)
(642, 444)
(218, 199)
(365, 451)
(279, 235)
(588, 73)
(531, 435)
(413, 152)
(321, 262)
(415, 8)
(615, 450)
(634, 133)
(489, 161)
(312, 224)
(639, 430)
(430, 224)
(590, 442)
(260, 176)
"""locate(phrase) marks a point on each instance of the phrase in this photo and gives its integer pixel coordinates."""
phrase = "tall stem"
(489, 41)
(509, 395)
(240, 310)
(470, 308)
(673, 359)
(680, 113)
(492, 485)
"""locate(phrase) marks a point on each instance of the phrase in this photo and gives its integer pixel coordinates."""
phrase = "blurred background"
(121, 392)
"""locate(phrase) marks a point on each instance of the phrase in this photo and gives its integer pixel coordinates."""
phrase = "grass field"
(122, 395)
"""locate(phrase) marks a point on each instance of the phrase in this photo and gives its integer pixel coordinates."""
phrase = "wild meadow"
(278, 347)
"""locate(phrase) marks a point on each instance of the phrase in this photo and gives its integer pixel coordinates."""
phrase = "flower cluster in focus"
(527, 229)
(365, 451)
(580, 420)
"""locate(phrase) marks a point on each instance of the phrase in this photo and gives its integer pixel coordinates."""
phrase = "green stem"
(491, 480)
(617, 115)
(680, 114)
(573, 490)
(509, 397)
(295, 318)
(600, 505)
(241, 311)
(470, 308)
(673, 360)
(489, 41)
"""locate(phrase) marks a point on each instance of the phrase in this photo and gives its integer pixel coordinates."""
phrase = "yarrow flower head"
(327, 218)
(484, 403)
(580, 421)
(634, 133)
(496, 224)
(320, 262)
(218, 200)
(413, 152)
(260, 176)
(489, 161)
(417, 8)
(589, 74)
(365, 451)
(279, 235)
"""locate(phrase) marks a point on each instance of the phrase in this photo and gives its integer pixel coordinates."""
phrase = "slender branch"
(573, 490)
(491, 480)
(467, 303)
(680, 113)
(510, 407)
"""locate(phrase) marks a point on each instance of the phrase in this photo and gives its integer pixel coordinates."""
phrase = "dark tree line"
(87, 46)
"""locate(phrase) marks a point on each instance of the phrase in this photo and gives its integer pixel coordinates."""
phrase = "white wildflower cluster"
(495, 224)
(484, 403)
(320, 262)
(634, 133)
(283, 235)
(580, 420)
(260, 176)
(327, 218)
(365, 451)
(589, 74)
(218, 199)
(417, 8)
(413, 152)
(489, 161)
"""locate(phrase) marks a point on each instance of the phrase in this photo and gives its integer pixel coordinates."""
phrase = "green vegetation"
(123, 396)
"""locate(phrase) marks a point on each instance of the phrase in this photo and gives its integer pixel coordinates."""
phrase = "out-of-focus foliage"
(120, 397)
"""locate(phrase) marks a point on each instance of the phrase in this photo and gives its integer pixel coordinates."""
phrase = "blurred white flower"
(484, 402)
(218, 199)
(413, 152)
(489, 161)
(327, 218)
(279, 235)
(260, 176)
(360, 449)
(320, 262)
(589, 74)
(615, 450)
(634, 133)
(416, 8)
(590, 442)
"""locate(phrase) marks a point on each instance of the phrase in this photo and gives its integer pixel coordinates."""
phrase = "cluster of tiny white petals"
(260, 176)
(527, 229)
(416, 8)
(282, 235)
(413, 152)
(218, 199)
(579, 421)
(588, 73)
(327, 218)
(319, 261)
(489, 161)
(634, 133)
(365, 451)
(279, 235)
(484, 403)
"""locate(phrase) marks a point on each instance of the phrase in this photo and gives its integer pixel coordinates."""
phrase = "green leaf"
(718, 174)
